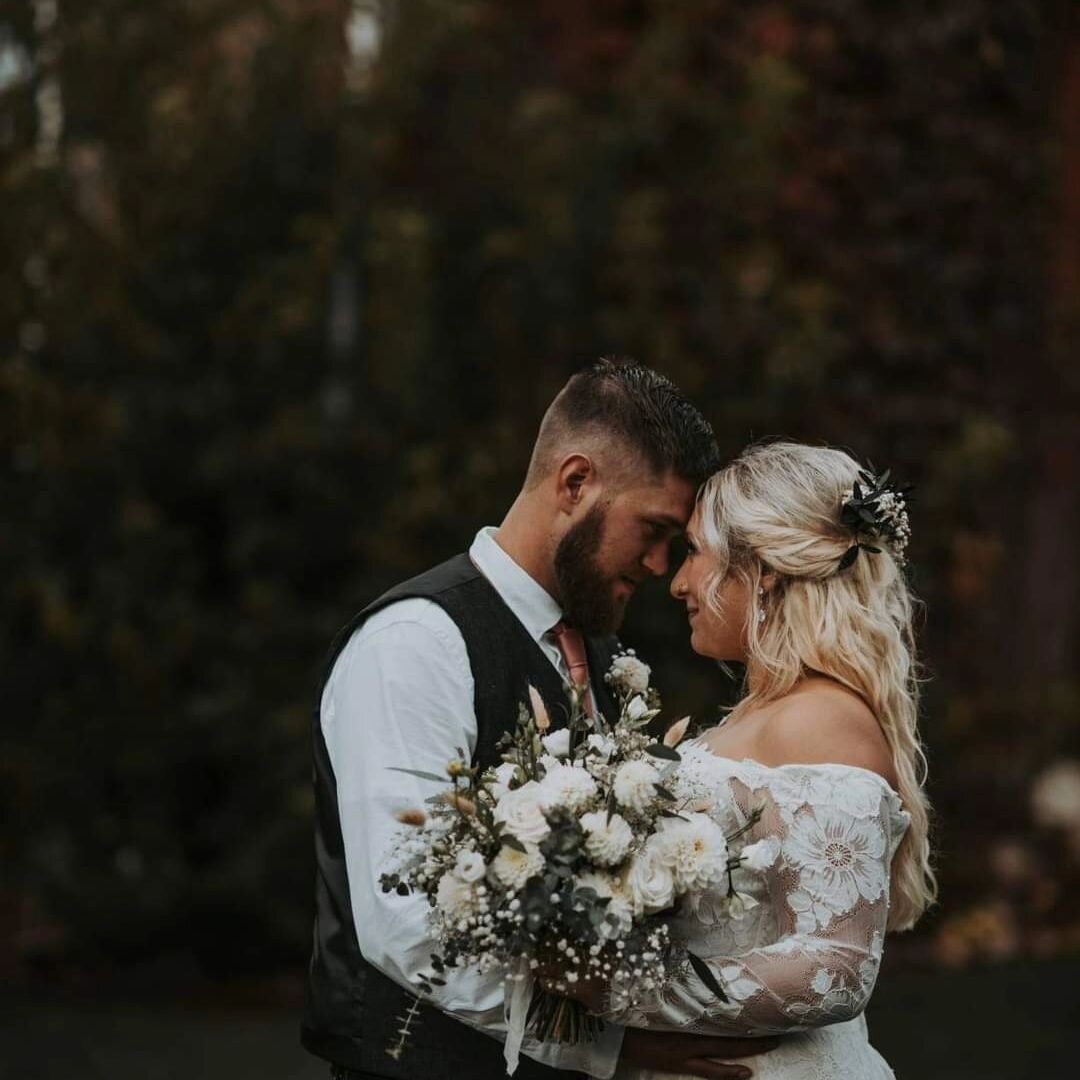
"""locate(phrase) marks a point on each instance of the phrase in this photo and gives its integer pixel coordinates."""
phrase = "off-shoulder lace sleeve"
(815, 955)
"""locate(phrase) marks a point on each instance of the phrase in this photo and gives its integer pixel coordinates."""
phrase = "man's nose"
(655, 559)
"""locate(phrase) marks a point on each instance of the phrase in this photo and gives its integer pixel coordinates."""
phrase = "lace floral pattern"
(804, 958)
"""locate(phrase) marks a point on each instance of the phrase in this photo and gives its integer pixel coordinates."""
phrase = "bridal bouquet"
(557, 863)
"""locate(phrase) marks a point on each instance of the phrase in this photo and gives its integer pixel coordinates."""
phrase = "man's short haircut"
(618, 401)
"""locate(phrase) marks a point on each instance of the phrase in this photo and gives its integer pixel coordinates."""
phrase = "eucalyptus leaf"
(420, 772)
(850, 556)
(703, 972)
(661, 751)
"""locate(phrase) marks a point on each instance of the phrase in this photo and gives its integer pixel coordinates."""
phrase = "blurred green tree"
(289, 284)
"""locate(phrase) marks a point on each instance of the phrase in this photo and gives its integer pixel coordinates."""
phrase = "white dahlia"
(566, 786)
(513, 868)
(635, 785)
(695, 850)
(607, 840)
(456, 898)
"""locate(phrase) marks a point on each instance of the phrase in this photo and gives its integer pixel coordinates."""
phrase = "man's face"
(617, 544)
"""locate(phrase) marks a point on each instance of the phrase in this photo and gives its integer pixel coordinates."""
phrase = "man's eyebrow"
(668, 521)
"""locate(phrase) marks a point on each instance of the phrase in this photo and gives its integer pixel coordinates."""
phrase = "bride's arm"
(829, 887)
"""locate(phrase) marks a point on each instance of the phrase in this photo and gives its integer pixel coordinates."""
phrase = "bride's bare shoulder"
(822, 721)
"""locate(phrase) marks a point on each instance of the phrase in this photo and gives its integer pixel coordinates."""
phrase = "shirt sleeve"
(400, 695)
(829, 888)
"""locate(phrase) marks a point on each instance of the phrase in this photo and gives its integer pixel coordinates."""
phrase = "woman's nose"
(678, 584)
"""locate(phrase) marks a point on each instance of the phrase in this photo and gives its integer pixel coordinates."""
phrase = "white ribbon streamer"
(519, 993)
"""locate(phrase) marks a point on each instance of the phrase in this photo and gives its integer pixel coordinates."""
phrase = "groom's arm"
(401, 695)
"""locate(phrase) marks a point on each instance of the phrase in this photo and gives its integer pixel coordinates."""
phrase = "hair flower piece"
(876, 512)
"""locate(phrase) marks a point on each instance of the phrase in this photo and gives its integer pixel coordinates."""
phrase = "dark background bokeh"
(287, 285)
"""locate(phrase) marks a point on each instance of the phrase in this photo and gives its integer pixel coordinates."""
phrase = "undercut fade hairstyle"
(618, 401)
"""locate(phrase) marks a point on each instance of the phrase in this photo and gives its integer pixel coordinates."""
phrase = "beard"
(586, 592)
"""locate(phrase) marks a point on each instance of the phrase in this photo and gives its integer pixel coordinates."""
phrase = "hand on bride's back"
(692, 1055)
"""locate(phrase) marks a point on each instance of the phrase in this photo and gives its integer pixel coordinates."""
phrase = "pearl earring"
(761, 604)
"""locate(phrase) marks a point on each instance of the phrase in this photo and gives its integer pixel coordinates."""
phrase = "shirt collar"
(534, 606)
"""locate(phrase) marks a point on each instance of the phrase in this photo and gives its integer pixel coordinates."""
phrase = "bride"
(795, 569)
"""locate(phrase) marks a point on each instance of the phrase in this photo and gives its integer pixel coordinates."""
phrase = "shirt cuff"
(598, 1058)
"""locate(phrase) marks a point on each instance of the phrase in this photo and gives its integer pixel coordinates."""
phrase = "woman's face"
(721, 636)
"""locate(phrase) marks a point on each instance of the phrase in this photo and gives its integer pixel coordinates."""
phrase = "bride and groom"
(793, 569)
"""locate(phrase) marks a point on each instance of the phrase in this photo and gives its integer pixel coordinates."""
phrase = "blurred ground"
(1008, 1022)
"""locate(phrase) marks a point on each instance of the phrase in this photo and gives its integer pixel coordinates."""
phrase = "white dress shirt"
(401, 694)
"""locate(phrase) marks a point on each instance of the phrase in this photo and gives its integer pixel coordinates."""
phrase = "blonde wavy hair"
(776, 508)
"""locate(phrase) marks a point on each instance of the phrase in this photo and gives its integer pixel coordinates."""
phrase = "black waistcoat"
(352, 1009)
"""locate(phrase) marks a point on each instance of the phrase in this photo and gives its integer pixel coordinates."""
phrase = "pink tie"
(572, 646)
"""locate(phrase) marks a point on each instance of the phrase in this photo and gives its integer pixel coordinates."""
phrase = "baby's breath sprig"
(876, 512)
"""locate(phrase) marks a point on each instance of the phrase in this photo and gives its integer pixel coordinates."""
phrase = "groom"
(435, 669)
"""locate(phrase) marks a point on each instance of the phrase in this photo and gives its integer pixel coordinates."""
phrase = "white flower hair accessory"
(876, 512)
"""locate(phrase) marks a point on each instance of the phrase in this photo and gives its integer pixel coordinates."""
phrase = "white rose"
(606, 841)
(470, 866)
(503, 775)
(566, 786)
(631, 674)
(521, 812)
(604, 745)
(634, 785)
(456, 898)
(762, 855)
(557, 744)
(649, 883)
(636, 708)
(694, 850)
(513, 868)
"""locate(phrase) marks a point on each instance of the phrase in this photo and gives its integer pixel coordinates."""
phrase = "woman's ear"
(769, 579)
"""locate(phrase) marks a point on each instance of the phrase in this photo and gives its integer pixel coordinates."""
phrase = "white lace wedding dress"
(802, 961)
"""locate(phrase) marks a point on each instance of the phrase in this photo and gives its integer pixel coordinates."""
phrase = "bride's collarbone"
(805, 728)
(737, 737)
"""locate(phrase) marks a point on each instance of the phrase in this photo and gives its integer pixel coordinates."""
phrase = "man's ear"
(573, 480)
